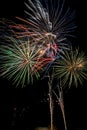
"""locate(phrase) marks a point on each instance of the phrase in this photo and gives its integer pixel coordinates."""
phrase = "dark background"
(26, 108)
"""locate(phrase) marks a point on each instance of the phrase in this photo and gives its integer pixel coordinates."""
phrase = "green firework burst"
(18, 61)
(72, 67)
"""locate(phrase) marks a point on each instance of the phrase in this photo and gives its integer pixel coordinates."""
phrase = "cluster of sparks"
(37, 41)
(20, 61)
(71, 69)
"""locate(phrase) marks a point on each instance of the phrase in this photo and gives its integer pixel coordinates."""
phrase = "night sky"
(27, 108)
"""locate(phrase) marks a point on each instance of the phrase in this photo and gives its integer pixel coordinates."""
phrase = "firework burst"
(47, 26)
(48, 19)
(48, 23)
(20, 61)
(72, 67)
